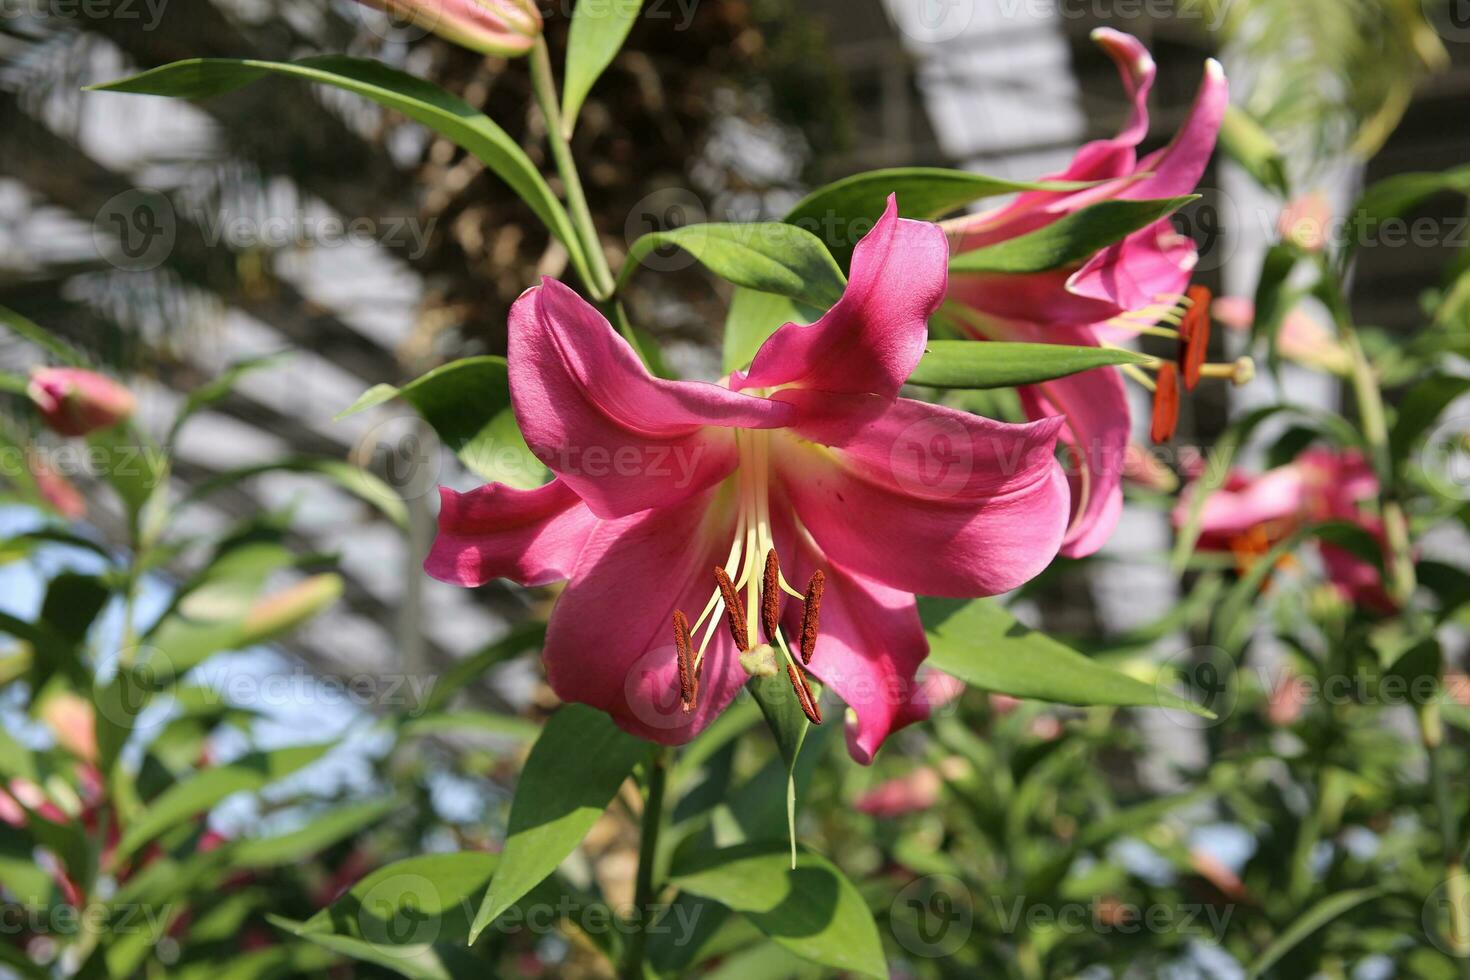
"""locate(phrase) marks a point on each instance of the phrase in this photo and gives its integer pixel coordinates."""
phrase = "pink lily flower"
(1251, 514)
(674, 498)
(1129, 285)
(76, 402)
(503, 27)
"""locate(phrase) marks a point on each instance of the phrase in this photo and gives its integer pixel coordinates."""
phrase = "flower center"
(754, 569)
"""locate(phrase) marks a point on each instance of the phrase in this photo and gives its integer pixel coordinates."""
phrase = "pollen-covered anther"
(804, 695)
(771, 596)
(734, 610)
(1194, 335)
(1166, 403)
(811, 615)
(684, 650)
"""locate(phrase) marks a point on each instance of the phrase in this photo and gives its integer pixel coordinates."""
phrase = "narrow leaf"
(1000, 364)
(982, 644)
(812, 910)
(572, 774)
(424, 102)
(598, 31)
(467, 403)
(1313, 919)
(768, 256)
(1069, 240)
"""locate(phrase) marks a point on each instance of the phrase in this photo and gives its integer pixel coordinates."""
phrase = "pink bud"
(1304, 221)
(503, 27)
(74, 724)
(74, 402)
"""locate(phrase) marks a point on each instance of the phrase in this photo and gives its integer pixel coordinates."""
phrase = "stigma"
(747, 595)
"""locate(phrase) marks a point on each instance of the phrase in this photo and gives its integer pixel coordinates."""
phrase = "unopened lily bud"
(72, 721)
(759, 661)
(75, 402)
(503, 27)
(276, 615)
(1304, 221)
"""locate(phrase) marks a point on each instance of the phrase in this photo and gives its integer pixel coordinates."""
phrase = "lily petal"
(610, 643)
(873, 337)
(1095, 406)
(530, 536)
(924, 498)
(870, 648)
(621, 438)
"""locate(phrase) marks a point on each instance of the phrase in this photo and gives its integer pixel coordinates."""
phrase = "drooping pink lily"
(1130, 285)
(662, 488)
(1249, 515)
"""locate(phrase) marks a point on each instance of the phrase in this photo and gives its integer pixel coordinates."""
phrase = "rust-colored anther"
(734, 610)
(804, 695)
(684, 648)
(771, 596)
(1166, 403)
(1194, 334)
(811, 615)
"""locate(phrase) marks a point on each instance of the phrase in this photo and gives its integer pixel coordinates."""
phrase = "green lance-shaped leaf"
(982, 644)
(598, 31)
(843, 211)
(1248, 144)
(1314, 918)
(572, 774)
(194, 795)
(1393, 197)
(768, 256)
(446, 114)
(410, 917)
(467, 404)
(813, 910)
(1002, 364)
(1069, 240)
(788, 724)
(356, 480)
(753, 316)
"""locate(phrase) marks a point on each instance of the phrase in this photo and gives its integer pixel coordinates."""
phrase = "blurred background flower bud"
(503, 27)
(75, 402)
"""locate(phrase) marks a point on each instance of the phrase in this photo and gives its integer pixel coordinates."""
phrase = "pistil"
(761, 606)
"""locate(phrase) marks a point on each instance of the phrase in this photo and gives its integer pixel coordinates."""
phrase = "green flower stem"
(544, 82)
(602, 286)
(1401, 574)
(645, 890)
(1431, 732)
